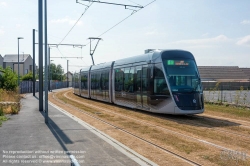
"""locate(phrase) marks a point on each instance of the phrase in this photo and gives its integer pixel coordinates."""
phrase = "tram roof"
(153, 56)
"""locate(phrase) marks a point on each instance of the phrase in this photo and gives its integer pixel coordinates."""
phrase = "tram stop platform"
(25, 139)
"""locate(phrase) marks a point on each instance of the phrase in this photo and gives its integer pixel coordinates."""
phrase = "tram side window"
(145, 80)
(129, 79)
(101, 81)
(138, 78)
(97, 76)
(75, 80)
(83, 80)
(104, 80)
(119, 75)
(86, 81)
(94, 83)
(160, 85)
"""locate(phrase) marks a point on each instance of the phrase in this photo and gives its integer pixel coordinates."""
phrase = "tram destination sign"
(177, 62)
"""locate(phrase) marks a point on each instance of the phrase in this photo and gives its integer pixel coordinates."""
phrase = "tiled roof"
(246, 71)
(14, 57)
(221, 72)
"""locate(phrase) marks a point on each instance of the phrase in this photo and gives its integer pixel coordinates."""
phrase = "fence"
(237, 93)
(27, 86)
(239, 97)
(226, 85)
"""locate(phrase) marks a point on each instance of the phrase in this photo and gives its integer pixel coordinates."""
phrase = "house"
(69, 75)
(1, 61)
(246, 71)
(223, 74)
(25, 63)
(224, 77)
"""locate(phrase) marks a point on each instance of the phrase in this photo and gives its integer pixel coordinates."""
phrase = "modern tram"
(161, 81)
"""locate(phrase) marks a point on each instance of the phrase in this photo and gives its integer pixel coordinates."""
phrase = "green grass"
(237, 112)
(2, 118)
(226, 160)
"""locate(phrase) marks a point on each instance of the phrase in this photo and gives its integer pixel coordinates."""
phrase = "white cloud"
(244, 41)
(3, 4)
(2, 32)
(214, 40)
(205, 34)
(152, 32)
(18, 25)
(66, 20)
(245, 22)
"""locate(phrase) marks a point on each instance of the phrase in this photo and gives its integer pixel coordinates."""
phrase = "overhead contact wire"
(135, 11)
(76, 22)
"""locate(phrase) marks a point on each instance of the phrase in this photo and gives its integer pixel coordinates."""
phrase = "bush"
(27, 77)
(14, 110)
(8, 79)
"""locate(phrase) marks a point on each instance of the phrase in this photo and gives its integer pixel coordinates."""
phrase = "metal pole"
(34, 64)
(67, 73)
(46, 61)
(51, 77)
(40, 50)
(18, 81)
(49, 68)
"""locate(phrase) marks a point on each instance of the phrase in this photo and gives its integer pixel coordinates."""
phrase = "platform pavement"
(25, 139)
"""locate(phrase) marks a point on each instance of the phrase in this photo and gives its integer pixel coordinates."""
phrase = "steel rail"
(134, 135)
(221, 130)
(174, 132)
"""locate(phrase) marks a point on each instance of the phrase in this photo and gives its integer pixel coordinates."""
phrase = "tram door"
(145, 84)
(138, 86)
(142, 83)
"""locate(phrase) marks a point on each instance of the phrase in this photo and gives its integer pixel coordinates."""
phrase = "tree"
(8, 79)
(27, 77)
(56, 72)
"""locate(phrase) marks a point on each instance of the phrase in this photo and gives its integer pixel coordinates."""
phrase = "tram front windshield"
(182, 76)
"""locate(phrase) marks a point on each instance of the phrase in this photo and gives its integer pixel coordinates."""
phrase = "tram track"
(97, 107)
(162, 128)
(178, 156)
(242, 122)
(210, 127)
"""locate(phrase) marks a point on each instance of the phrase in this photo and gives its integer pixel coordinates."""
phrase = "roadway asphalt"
(25, 139)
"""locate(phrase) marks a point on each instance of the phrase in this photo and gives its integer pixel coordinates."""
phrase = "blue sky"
(217, 32)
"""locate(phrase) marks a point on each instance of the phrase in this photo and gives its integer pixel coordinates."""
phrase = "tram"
(161, 81)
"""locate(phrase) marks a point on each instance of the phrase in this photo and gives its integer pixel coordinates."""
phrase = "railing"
(226, 85)
(236, 93)
(238, 97)
(27, 86)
